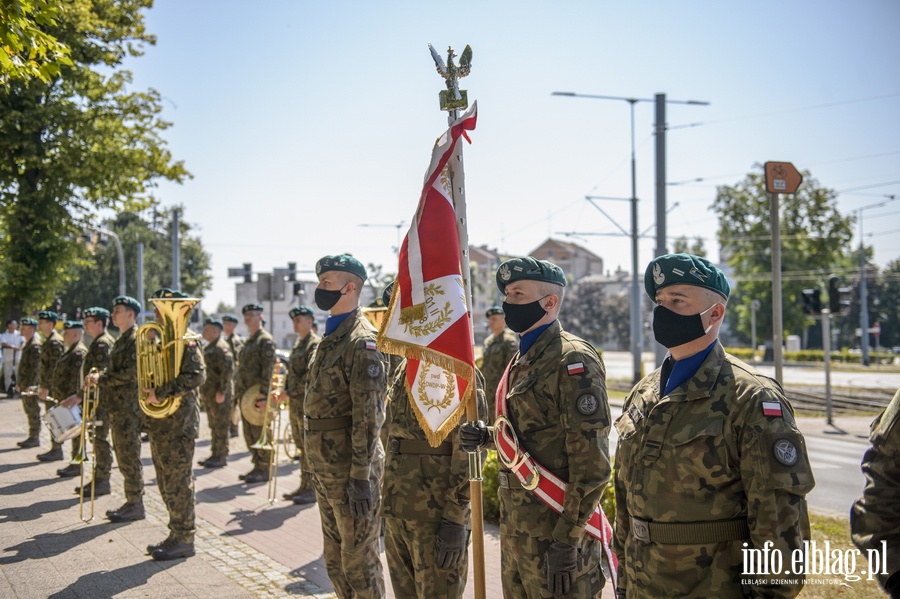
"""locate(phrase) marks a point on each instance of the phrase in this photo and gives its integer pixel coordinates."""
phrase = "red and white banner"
(427, 319)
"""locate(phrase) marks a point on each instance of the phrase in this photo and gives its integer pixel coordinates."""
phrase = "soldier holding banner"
(553, 397)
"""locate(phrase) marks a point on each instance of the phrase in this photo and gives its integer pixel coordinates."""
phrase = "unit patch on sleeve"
(587, 404)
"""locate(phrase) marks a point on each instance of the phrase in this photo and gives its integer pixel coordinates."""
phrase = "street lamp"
(635, 285)
(119, 252)
(863, 287)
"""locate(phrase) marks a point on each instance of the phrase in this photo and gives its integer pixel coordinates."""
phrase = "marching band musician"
(67, 380)
(52, 350)
(236, 345)
(216, 392)
(119, 392)
(295, 389)
(172, 440)
(255, 368)
(95, 320)
(343, 415)
(28, 376)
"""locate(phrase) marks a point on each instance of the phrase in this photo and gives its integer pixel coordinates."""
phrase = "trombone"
(274, 408)
(88, 432)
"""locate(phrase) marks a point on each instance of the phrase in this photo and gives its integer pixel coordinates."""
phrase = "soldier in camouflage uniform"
(172, 441)
(343, 416)
(119, 392)
(557, 406)
(97, 358)
(236, 344)
(67, 380)
(875, 517)
(394, 361)
(295, 389)
(425, 495)
(217, 391)
(255, 368)
(52, 350)
(28, 376)
(709, 460)
(499, 349)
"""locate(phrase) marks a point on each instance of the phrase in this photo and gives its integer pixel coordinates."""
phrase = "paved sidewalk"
(245, 546)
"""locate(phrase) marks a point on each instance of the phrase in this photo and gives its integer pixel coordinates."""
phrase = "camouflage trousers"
(219, 417)
(32, 407)
(102, 448)
(252, 433)
(523, 568)
(173, 457)
(410, 548)
(126, 437)
(297, 430)
(351, 544)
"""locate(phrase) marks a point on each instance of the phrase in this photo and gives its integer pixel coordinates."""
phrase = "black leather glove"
(451, 543)
(473, 435)
(561, 562)
(621, 593)
(359, 495)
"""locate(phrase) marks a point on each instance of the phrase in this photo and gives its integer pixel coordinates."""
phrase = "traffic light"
(838, 297)
(812, 302)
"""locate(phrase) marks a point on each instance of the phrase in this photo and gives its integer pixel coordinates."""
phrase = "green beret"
(72, 324)
(252, 308)
(386, 294)
(128, 302)
(684, 269)
(494, 310)
(31, 322)
(166, 293)
(229, 318)
(96, 312)
(48, 315)
(215, 322)
(343, 263)
(529, 269)
(300, 311)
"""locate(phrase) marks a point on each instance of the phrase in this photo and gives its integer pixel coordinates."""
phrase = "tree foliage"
(685, 246)
(598, 317)
(79, 142)
(95, 276)
(27, 51)
(814, 237)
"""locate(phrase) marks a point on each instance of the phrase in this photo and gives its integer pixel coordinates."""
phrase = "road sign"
(782, 177)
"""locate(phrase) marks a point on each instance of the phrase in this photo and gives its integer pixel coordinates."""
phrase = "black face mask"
(672, 329)
(326, 299)
(521, 317)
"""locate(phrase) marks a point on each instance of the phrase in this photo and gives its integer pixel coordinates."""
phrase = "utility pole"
(176, 252)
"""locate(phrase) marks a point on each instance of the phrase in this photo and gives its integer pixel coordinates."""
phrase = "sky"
(308, 126)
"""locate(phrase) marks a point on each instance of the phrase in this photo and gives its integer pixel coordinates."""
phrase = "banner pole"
(453, 99)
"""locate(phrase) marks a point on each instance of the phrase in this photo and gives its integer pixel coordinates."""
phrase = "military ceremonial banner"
(427, 319)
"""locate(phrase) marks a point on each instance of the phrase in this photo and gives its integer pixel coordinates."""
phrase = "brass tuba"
(159, 358)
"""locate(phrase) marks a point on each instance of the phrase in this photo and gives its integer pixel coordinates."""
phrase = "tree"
(95, 276)
(26, 51)
(597, 317)
(888, 309)
(75, 144)
(814, 237)
(684, 246)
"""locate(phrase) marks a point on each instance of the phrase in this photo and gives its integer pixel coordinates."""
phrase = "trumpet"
(267, 440)
(88, 433)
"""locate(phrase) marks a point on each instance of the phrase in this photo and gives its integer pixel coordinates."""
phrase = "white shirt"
(15, 339)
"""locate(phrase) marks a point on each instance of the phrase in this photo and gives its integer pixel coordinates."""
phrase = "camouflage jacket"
(52, 350)
(416, 486)
(97, 356)
(191, 375)
(219, 370)
(236, 345)
(67, 377)
(298, 367)
(29, 370)
(255, 364)
(346, 379)
(119, 383)
(559, 410)
(498, 351)
(721, 446)
(875, 516)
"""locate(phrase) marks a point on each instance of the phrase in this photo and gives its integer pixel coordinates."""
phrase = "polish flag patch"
(576, 368)
(772, 408)
(371, 346)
